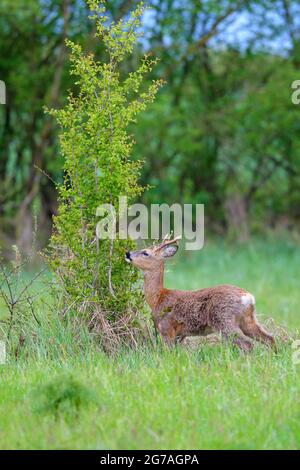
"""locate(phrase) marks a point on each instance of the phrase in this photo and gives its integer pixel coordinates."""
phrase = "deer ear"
(169, 251)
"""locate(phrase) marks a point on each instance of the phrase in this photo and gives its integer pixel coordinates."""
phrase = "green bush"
(63, 396)
(96, 146)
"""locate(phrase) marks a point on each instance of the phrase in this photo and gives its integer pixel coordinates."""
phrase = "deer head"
(152, 258)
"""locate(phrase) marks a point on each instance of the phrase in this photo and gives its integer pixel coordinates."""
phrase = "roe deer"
(177, 314)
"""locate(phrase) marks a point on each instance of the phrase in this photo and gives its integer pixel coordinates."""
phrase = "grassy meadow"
(64, 393)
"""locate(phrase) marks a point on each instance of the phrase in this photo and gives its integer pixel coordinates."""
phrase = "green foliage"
(97, 147)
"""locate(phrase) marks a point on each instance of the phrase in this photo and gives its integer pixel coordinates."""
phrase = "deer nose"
(127, 256)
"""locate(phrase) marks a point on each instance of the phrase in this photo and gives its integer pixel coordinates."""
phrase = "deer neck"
(153, 286)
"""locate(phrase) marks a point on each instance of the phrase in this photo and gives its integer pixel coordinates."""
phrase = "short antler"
(166, 242)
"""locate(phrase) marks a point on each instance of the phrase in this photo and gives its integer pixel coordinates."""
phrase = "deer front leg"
(170, 331)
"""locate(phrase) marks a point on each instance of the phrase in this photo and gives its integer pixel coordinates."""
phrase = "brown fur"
(178, 313)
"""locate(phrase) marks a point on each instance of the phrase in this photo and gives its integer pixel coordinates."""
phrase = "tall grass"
(213, 398)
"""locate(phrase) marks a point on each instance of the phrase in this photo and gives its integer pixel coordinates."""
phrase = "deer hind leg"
(236, 336)
(250, 327)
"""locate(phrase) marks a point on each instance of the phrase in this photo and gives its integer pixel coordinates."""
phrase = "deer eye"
(145, 253)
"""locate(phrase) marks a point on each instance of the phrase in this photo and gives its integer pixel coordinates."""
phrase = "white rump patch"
(248, 299)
